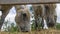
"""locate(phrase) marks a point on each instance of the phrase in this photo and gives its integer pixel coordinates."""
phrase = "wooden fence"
(15, 2)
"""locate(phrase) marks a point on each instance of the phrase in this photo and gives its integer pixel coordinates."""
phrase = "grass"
(49, 31)
(58, 26)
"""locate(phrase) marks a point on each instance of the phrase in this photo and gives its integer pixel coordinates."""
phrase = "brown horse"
(5, 9)
(39, 13)
(51, 15)
(46, 12)
(23, 18)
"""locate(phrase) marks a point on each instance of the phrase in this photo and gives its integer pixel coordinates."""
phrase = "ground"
(50, 31)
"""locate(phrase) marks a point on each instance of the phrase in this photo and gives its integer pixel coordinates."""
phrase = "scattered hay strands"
(35, 32)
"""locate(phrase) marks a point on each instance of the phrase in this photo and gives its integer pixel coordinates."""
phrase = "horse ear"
(51, 5)
(54, 5)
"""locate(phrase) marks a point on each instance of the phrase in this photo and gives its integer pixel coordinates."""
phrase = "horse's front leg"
(5, 9)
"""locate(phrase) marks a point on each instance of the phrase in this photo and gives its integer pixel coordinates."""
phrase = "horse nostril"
(24, 14)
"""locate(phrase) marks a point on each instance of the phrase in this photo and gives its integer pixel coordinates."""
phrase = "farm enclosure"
(30, 2)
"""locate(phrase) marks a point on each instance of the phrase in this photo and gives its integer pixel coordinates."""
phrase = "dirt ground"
(50, 31)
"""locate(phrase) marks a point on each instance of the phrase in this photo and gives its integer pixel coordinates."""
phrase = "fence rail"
(14, 2)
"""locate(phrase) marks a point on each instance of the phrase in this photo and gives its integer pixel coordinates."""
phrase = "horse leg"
(41, 23)
(5, 9)
(44, 22)
(55, 18)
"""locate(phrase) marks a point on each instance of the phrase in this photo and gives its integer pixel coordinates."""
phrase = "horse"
(23, 19)
(5, 10)
(39, 11)
(47, 14)
(51, 15)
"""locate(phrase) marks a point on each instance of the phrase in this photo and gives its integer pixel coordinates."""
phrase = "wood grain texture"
(27, 1)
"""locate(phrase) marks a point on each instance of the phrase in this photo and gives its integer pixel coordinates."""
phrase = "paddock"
(25, 2)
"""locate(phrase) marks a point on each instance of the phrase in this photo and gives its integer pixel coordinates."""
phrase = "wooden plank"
(27, 1)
